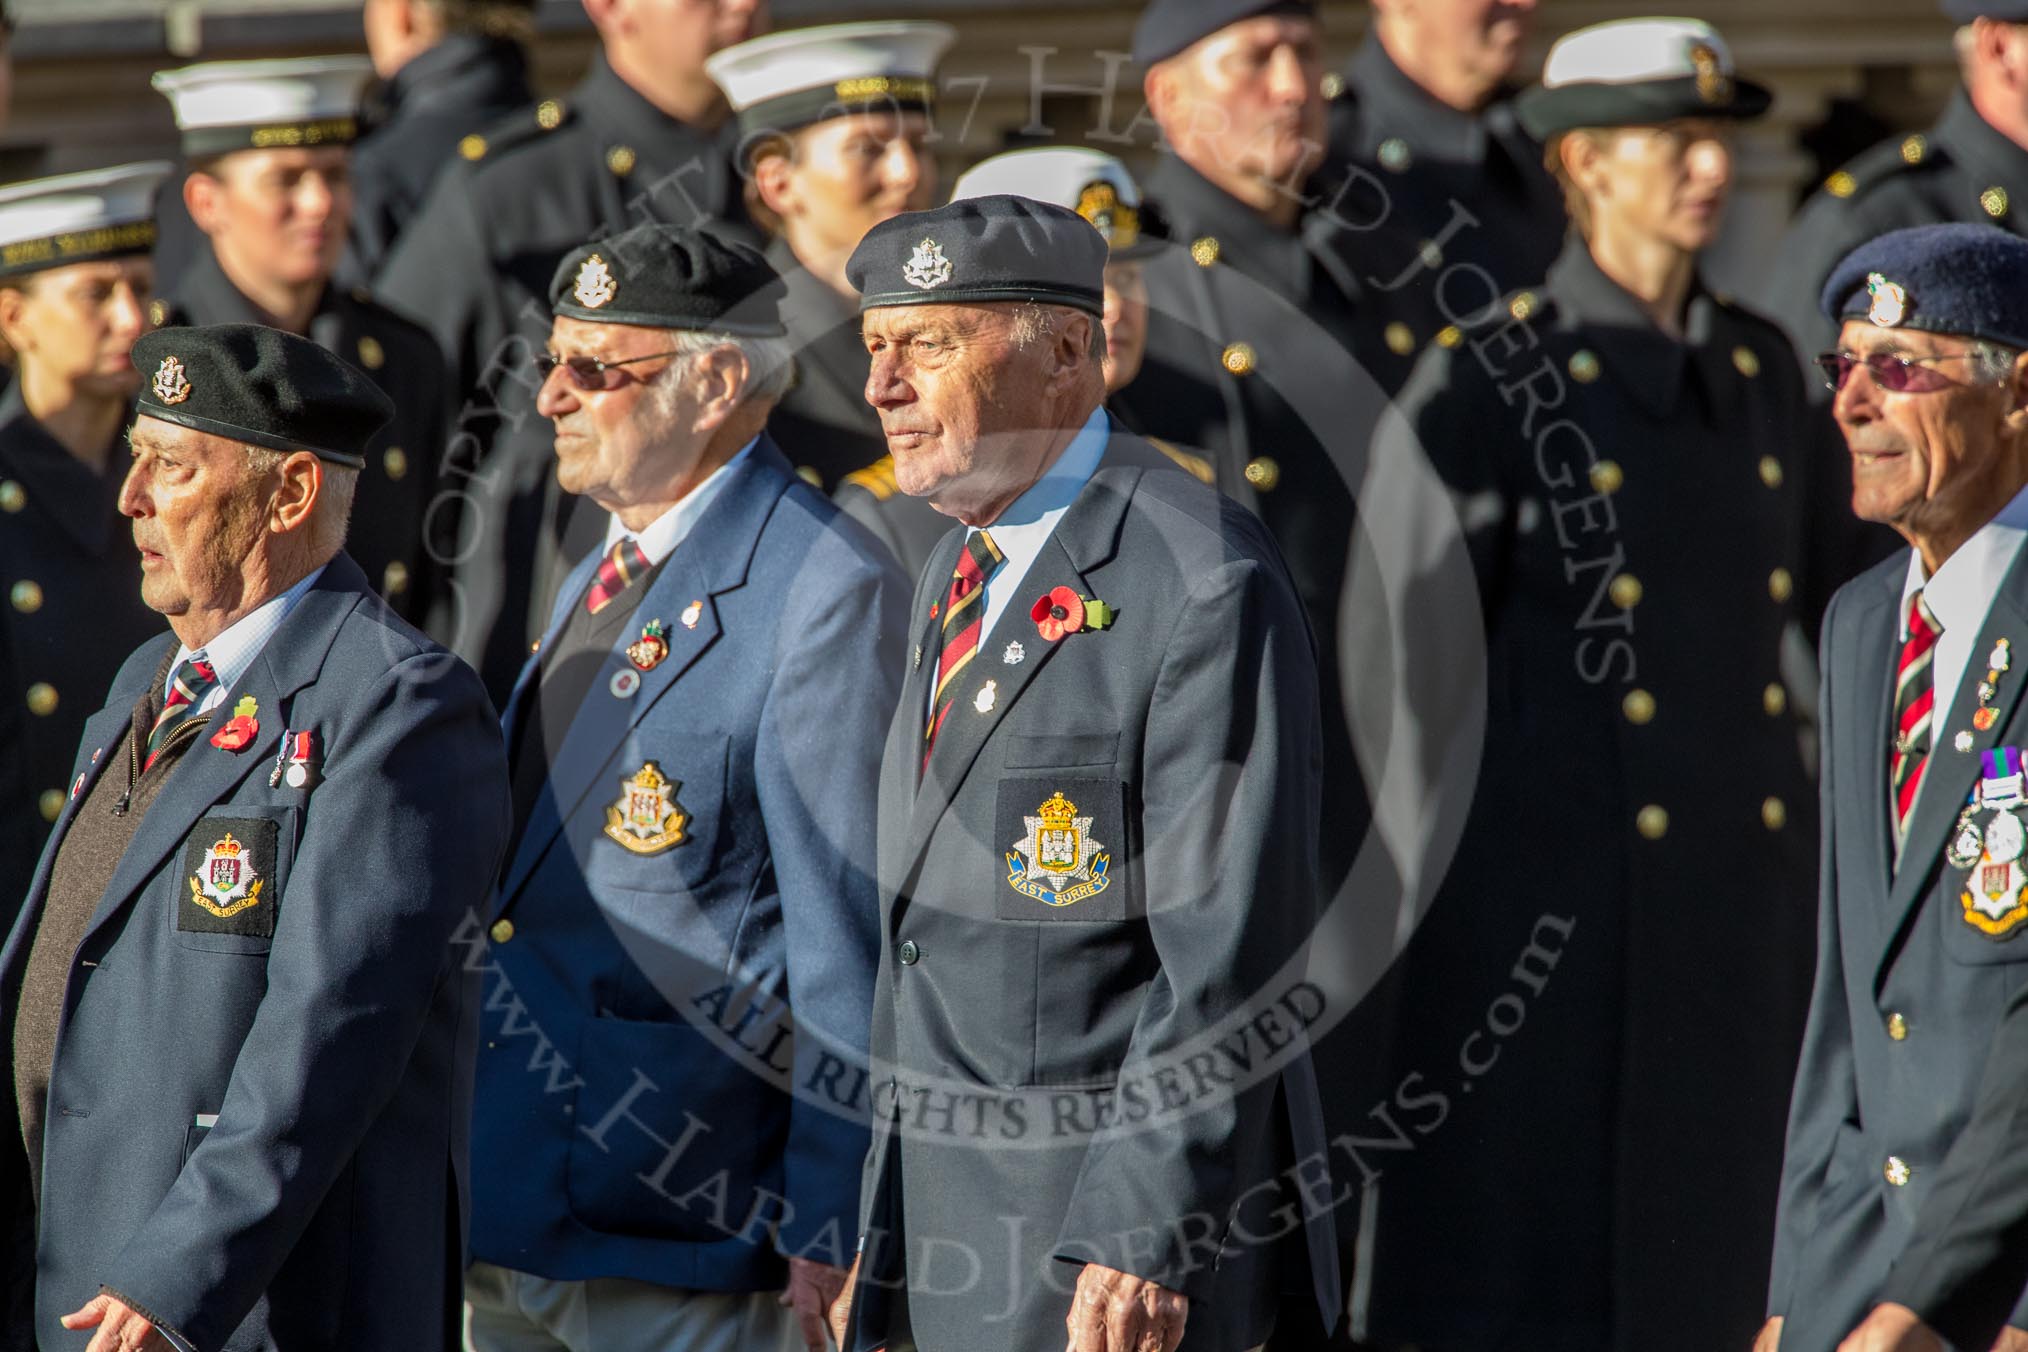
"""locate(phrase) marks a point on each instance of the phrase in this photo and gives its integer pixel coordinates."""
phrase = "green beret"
(261, 386)
(671, 277)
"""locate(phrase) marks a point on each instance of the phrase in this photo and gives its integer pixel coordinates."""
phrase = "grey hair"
(770, 364)
(334, 500)
(1991, 362)
(1034, 321)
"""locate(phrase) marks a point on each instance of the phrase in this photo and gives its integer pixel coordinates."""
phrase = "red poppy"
(1059, 613)
(237, 734)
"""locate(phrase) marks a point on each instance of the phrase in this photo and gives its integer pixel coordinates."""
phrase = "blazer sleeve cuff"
(175, 1338)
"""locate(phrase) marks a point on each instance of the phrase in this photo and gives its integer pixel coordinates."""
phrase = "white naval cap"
(79, 218)
(1090, 182)
(788, 80)
(1638, 72)
(266, 105)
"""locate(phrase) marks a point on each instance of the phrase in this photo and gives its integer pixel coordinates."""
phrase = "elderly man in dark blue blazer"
(241, 1033)
(1903, 1219)
(672, 1092)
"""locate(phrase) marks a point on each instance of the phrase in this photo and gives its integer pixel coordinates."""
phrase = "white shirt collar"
(661, 536)
(234, 650)
(1965, 583)
(1025, 527)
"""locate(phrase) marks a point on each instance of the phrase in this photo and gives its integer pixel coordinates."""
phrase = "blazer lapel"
(1950, 774)
(207, 775)
(710, 562)
(1085, 538)
(1873, 712)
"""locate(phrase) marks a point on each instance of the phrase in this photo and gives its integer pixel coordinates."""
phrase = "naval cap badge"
(171, 385)
(595, 285)
(927, 267)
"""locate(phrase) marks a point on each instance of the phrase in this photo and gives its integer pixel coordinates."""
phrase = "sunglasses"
(589, 373)
(1893, 373)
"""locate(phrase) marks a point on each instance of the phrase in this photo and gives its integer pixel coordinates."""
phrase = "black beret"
(670, 277)
(262, 386)
(2006, 11)
(1970, 280)
(982, 249)
(1171, 26)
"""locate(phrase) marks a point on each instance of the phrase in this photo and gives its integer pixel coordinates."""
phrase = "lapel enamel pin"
(692, 613)
(626, 681)
(647, 651)
(988, 692)
(1015, 654)
(240, 730)
(1997, 662)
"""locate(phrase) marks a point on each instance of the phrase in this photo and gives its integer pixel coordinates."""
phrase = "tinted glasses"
(1890, 371)
(589, 373)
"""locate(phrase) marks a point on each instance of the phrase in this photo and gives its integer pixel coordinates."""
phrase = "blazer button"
(1896, 1171)
(1775, 699)
(1774, 813)
(50, 804)
(1652, 822)
(502, 931)
(1780, 585)
(909, 953)
(1897, 1027)
(1639, 707)
(1263, 473)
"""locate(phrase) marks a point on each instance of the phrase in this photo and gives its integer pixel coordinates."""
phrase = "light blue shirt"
(233, 651)
(658, 540)
(1025, 527)
(1960, 595)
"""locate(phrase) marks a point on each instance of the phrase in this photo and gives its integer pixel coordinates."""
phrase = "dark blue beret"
(670, 277)
(1170, 26)
(2007, 11)
(1970, 280)
(982, 249)
(262, 386)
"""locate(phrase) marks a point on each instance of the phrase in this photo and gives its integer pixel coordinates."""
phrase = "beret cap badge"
(1890, 301)
(927, 267)
(171, 385)
(595, 285)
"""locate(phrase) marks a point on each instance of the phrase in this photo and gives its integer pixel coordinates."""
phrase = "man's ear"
(720, 377)
(1070, 350)
(295, 501)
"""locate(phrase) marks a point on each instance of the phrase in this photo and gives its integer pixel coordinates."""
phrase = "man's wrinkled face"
(1668, 183)
(200, 511)
(1250, 98)
(616, 446)
(1126, 319)
(77, 324)
(1929, 460)
(281, 213)
(953, 390)
(848, 174)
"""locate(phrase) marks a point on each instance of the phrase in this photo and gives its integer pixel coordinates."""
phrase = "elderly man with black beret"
(685, 931)
(1098, 817)
(1903, 1218)
(240, 1030)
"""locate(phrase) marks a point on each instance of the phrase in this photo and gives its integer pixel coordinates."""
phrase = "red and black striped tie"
(1914, 710)
(623, 566)
(964, 626)
(193, 681)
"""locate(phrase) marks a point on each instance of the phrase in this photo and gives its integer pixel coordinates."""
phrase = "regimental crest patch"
(927, 267)
(595, 285)
(229, 883)
(647, 818)
(171, 385)
(1059, 862)
(1992, 898)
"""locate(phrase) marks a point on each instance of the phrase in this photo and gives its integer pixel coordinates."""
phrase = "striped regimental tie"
(193, 681)
(1914, 707)
(623, 566)
(964, 625)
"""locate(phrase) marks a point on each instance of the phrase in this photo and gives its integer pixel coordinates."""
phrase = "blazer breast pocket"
(651, 823)
(234, 869)
(1060, 847)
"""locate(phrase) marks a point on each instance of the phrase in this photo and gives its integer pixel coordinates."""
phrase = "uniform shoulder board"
(1896, 155)
(876, 479)
(1196, 466)
(519, 129)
